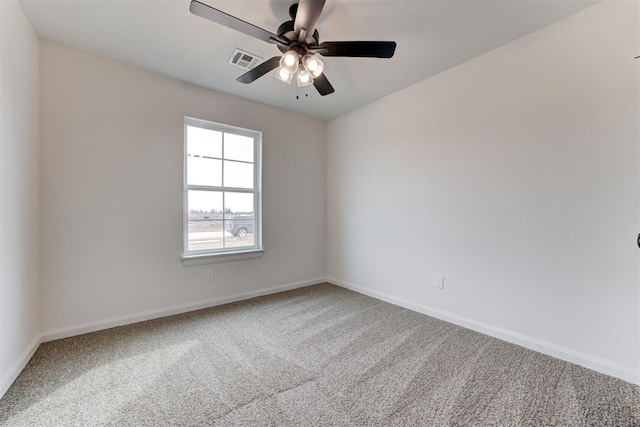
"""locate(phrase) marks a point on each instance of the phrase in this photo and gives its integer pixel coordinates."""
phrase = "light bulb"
(313, 65)
(284, 75)
(304, 79)
(289, 61)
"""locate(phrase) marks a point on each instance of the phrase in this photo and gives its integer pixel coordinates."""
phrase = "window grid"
(255, 218)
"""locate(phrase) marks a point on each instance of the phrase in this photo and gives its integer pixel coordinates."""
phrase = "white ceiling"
(165, 37)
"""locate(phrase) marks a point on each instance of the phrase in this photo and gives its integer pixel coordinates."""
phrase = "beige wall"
(111, 206)
(19, 292)
(514, 175)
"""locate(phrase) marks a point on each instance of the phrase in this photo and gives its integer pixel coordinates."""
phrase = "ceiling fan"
(299, 42)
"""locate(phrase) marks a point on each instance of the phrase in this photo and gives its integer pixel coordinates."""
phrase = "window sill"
(202, 259)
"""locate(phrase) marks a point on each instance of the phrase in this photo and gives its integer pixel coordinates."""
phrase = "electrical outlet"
(440, 282)
(209, 274)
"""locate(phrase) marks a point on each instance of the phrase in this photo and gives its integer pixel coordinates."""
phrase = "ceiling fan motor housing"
(287, 31)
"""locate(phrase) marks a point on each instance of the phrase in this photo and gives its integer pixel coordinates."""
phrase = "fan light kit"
(308, 68)
(299, 42)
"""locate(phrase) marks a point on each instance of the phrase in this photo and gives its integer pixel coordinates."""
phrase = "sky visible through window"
(205, 166)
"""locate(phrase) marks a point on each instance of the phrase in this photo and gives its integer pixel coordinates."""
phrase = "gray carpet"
(315, 356)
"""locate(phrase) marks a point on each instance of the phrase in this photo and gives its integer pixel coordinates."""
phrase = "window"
(222, 188)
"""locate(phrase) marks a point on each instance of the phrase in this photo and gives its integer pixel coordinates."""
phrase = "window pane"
(205, 225)
(239, 175)
(204, 142)
(240, 232)
(239, 219)
(203, 171)
(238, 147)
(238, 204)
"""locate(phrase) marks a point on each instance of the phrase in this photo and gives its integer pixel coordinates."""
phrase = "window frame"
(232, 253)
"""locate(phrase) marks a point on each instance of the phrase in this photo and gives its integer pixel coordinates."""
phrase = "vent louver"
(243, 59)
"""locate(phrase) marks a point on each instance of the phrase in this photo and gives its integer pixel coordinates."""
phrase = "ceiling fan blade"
(361, 49)
(322, 84)
(259, 71)
(307, 15)
(229, 21)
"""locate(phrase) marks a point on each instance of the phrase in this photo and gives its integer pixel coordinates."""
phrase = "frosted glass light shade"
(289, 61)
(284, 75)
(313, 65)
(304, 79)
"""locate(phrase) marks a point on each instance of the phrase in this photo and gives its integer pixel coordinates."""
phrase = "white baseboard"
(573, 356)
(113, 322)
(10, 376)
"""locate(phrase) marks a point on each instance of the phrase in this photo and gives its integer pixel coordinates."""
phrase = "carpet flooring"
(318, 356)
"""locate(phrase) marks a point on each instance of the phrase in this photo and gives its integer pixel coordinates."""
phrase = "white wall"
(19, 292)
(111, 206)
(515, 175)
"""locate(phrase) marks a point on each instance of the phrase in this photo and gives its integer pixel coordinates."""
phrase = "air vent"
(243, 59)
